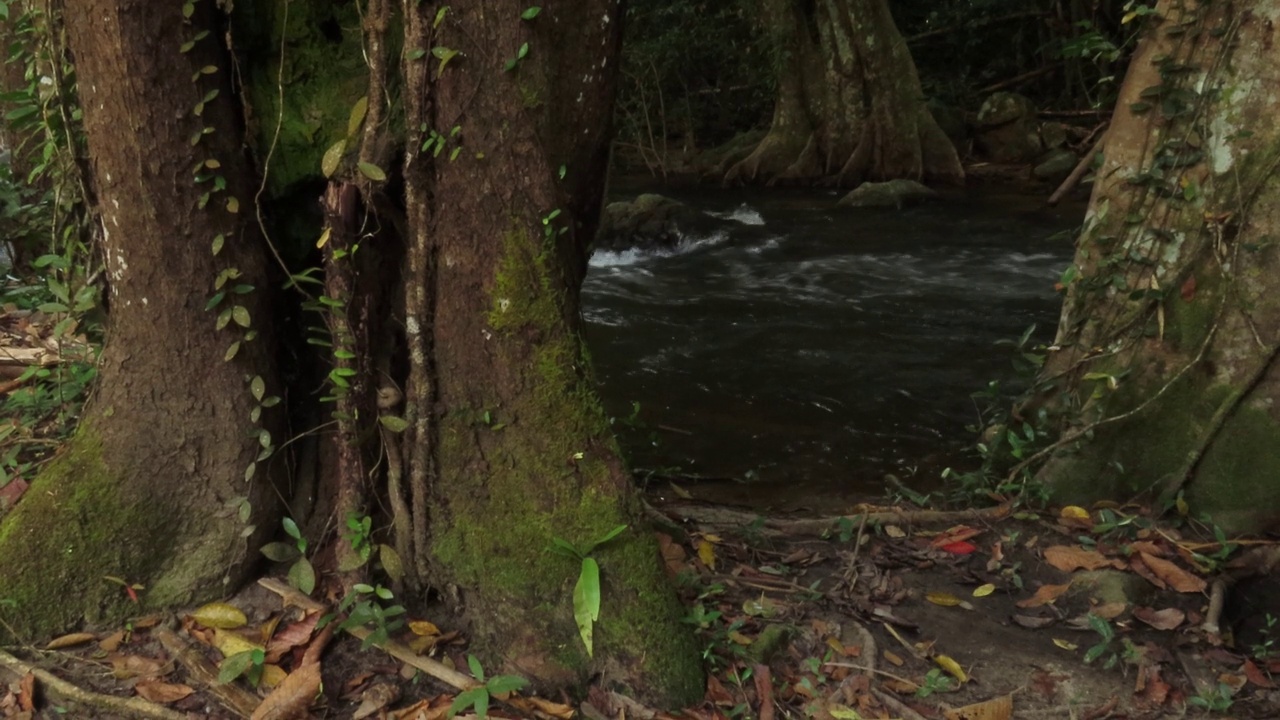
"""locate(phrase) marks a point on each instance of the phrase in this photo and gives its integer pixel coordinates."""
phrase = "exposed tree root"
(66, 692)
(821, 527)
(772, 157)
(198, 667)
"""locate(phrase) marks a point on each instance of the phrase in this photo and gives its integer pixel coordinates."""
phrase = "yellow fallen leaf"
(707, 553)
(1074, 512)
(713, 537)
(220, 615)
(893, 658)
(739, 638)
(943, 599)
(894, 531)
(984, 590)
(843, 712)
(423, 628)
(952, 668)
(71, 640)
(1065, 644)
(272, 675)
(229, 643)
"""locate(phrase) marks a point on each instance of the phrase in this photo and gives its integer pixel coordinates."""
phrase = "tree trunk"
(152, 490)
(511, 448)
(1166, 381)
(849, 107)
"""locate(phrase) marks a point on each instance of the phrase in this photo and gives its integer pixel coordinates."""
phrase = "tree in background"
(1164, 379)
(849, 105)
(460, 154)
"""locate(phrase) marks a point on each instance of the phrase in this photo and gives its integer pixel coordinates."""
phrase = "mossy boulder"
(893, 193)
(1008, 130)
(649, 223)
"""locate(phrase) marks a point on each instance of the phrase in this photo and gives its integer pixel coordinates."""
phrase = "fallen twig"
(822, 527)
(132, 707)
(199, 669)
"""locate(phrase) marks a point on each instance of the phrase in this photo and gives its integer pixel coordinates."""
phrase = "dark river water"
(799, 352)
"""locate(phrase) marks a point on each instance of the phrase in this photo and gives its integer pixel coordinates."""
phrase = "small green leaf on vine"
(416, 54)
(188, 9)
(393, 423)
(240, 314)
(233, 205)
(530, 13)
(440, 16)
(324, 238)
(258, 387)
(358, 112)
(231, 351)
(218, 242)
(444, 55)
(333, 156)
(371, 171)
(187, 46)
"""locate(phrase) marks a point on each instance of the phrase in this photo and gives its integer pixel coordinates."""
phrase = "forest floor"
(886, 613)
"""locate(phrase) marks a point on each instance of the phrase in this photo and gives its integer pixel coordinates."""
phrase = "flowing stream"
(803, 351)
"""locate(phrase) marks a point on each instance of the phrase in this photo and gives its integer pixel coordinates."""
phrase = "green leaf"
(188, 9)
(258, 387)
(505, 684)
(332, 157)
(444, 55)
(440, 16)
(280, 552)
(234, 666)
(393, 423)
(476, 669)
(564, 547)
(240, 314)
(469, 698)
(233, 205)
(607, 537)
(302, 576)
(391, 562)
(586, 600)
(523, 52)
(231, 351)
(218, 242)
(417, 54)
(530, 13)
(371, 171)
(358, 111)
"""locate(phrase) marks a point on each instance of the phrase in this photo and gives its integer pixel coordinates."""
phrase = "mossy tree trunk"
(152, 490)
(849, 106)
(1165, 378)
(512, 448)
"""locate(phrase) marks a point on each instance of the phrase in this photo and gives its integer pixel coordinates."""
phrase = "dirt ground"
(887, 613)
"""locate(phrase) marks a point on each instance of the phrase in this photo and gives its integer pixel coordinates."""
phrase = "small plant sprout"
(478, 697)
(586, 593)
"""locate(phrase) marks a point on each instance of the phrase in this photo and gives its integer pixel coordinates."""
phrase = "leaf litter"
(954, 620)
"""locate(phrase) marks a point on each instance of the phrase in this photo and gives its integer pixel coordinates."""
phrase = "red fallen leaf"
(959, 548)
(10, 493)
(1189, 289)
(1256, 676)
(27, 693)
(1152, 688)
(717, 693)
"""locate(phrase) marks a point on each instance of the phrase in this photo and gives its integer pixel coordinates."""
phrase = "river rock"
(893, 193)
(650, 222)
(1056, 166)
(1008, 130)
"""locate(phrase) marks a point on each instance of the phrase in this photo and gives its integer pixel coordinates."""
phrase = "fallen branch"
(229, 695)
(822, 527)
(64, 691)
(1078, 173)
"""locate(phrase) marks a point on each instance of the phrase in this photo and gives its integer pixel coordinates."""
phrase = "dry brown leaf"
(293, 635)
(112, 642)
(554, 709)
(162, 692)
(673, 556)
(1109, 611)
(1045, 595)
(292, 696)
(71, 640)
(378, 696)
(1032, 622)
(1069, 558)
(1256, 676)
(132, 666)
(1000, 708)
(1173, 575)
(27, 693)
(1166, 619)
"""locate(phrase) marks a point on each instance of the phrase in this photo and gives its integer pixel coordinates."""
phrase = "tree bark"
(510, 447)
(1165, 379)
(152, 490)
(850, 107)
